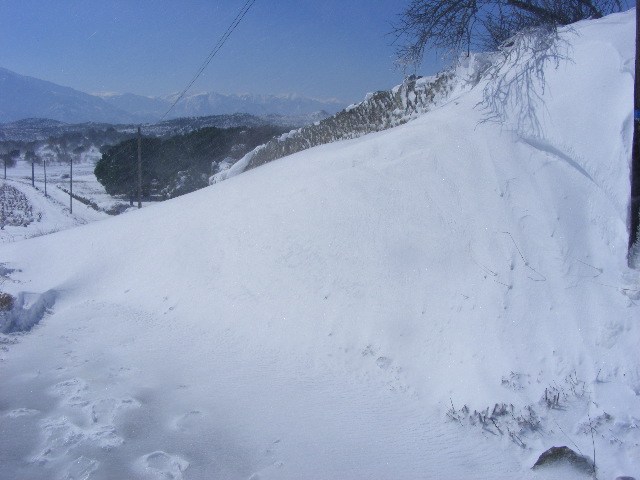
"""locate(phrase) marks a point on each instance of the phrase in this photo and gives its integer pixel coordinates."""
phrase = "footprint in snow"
(72, 391)
(61, 436)
(104, 436)
(163, 465)
(384, 362)
(92, 422)
(105, 410)
(22, 412)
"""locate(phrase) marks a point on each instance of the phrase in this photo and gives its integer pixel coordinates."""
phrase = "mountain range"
(27, 97)
(212, 103)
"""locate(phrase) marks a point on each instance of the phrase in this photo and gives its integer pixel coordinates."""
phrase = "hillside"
(445, 299)
(27, 97)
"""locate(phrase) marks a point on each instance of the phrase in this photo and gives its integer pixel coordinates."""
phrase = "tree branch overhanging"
(455, 26)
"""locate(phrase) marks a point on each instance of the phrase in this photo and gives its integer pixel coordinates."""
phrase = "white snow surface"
(342, 312)
(50, 212)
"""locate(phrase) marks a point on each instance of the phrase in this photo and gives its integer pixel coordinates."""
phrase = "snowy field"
(442, 300)
(51, 212)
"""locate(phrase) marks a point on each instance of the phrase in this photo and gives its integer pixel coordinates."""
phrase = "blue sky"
(320, 48)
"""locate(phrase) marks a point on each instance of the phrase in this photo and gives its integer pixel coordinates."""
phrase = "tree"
(176, 165)
(6, 160)
(457, 25)
(117, 169)
(32, 157)
(454, 26)
(9, 159)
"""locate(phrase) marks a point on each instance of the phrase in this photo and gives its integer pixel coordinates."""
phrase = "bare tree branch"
(453, 26)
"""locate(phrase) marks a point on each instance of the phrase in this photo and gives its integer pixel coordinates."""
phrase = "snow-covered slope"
(444, 299)
(379, 111)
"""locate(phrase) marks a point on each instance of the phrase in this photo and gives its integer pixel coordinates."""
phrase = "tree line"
(59, 148)
(177, 165)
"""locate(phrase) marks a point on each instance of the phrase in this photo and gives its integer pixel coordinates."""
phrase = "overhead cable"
(236, 21)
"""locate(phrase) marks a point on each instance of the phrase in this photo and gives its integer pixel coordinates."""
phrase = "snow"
(354, 310)
(51, 212)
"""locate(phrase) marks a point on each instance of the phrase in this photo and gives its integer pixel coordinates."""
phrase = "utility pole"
(70, 184)
(4, 201)
(33, 175)
(44, 165)
(140, 167)
(634, 212)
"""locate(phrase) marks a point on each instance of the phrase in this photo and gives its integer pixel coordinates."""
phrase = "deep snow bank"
(27, 310)
(444, 299)
(378, 111)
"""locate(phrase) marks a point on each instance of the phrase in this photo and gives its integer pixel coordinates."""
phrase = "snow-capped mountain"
(27, 97)
(148, 108)
(212, 103)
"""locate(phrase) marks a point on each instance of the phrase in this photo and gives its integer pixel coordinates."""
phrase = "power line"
(213, 53)
(115, 150)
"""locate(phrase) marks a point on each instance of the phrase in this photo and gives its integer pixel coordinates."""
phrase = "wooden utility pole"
(634, 212)
(44, 165)
(70, 184)
(33, 175)
(4, 201)
(140, 167)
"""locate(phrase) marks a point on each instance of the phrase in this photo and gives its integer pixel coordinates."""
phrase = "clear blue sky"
(318, 48)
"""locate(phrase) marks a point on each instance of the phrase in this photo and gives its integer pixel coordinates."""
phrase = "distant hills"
(27, 97)
(35, 129)
(24, 97)
(212, 103)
